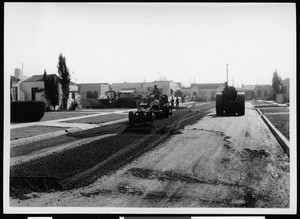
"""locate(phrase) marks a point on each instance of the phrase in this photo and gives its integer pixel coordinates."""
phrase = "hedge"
(27, 111)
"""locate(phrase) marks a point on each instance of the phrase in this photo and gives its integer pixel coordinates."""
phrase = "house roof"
(12, 78)
(208, 85)
(253, 87)
(93, 83)
(248, 87)
(286, 80)
(36, 78)
(263, 85)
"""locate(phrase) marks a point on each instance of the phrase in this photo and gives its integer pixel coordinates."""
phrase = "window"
(284, 89)
(92, 94)
(14, 93)
(33, 91)
(265, 93)
(258, 94)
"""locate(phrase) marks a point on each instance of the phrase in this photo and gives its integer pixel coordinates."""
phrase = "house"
(144, 88)
(15, 81)
(203, 91)
(258, 92)
(249, 91)
(263, 92)
(286, 89)
(33, 89)
(93, 90)
(14, 88)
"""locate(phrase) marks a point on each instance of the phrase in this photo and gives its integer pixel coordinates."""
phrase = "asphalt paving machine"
(150, 108)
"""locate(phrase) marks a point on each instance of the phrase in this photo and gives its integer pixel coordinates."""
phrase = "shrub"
(91, 103)
(27, 111)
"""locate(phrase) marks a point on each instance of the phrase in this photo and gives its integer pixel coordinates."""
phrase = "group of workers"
(177, 102)
(157, 93)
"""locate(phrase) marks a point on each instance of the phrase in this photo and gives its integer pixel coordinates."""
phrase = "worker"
(177, 102)
(172, 103)
(156, 92)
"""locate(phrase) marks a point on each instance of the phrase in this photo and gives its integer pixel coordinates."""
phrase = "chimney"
(18, 73)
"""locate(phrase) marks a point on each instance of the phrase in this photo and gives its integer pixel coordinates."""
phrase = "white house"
(93, 90)
(33, 89)
(15, 81)
(205, 91)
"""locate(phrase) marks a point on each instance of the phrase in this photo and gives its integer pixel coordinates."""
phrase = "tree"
(276, 83)
(63, 72)
(51, 89)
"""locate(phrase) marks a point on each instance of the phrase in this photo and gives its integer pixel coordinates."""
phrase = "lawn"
(281, 122)
(275, 110)
(30, 131)
(62, 115)
(277, 115)
(263, 103)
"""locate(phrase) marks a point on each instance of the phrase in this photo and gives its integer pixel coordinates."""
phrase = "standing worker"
(172, 103)
(177, 102)
(156, 92)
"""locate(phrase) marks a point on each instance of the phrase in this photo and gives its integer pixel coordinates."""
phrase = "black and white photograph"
(149, 108)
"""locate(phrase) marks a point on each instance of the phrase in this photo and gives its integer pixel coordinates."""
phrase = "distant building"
(93, 90)
(145, 88)
(258, 92)
(286, 89)
(204, 91)
(249, 91)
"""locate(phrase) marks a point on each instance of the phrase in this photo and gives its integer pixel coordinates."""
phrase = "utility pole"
(227, 73)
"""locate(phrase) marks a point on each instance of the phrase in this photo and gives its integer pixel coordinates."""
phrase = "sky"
(131, 42)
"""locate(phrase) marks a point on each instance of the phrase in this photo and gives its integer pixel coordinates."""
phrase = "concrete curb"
(285, 144)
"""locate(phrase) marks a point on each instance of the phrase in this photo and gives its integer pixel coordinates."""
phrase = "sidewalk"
(35, 131)
(57, 121)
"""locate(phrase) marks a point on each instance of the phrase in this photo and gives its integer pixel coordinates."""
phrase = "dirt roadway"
(217, 162)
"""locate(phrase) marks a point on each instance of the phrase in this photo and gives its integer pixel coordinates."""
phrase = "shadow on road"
(225, 115)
